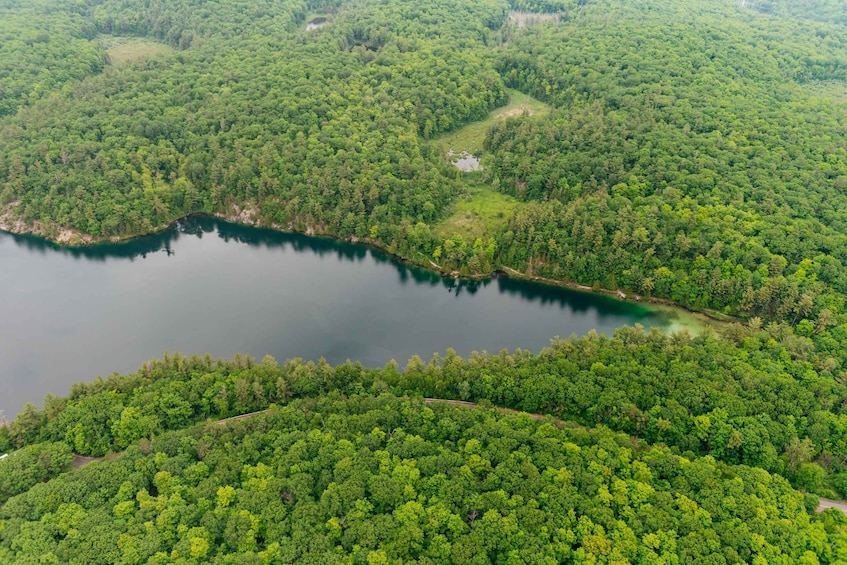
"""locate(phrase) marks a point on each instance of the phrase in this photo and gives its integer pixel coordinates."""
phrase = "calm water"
(209, 286)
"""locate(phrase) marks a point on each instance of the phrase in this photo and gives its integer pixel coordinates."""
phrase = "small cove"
(207, 286)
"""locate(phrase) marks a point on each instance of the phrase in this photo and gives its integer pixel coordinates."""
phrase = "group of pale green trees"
(373, 478)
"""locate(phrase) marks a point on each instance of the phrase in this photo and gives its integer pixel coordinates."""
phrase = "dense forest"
(830, 11)
(691, 152)
(680, 162)
(44, 45)
(341, 469)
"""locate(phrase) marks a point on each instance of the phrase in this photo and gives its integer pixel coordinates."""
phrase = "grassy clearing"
(480, 214)
(471, 137)
(311, 23)
(123, 51)
(484, 211)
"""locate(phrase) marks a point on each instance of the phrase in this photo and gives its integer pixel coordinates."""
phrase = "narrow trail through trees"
(81, 460)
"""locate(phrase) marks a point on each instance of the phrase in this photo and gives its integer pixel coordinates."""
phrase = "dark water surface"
(206, 286)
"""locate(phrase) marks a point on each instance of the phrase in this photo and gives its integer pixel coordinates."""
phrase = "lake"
(207, 286)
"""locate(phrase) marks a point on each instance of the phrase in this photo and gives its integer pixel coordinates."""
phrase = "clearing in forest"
(480, 214)
(484, 210)
(471, 137)
(524, 19)
(123, 51)
(316, 23)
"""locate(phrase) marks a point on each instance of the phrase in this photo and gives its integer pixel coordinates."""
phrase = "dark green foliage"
(44, 44)
(388, 480)
(320, 131)
(686, 160)
(31, 465)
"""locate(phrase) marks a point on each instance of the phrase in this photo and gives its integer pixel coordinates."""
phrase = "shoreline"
(69, 238)
(632, 298)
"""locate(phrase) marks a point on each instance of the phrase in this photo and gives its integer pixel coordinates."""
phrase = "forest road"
(80, 460)
(825, 503)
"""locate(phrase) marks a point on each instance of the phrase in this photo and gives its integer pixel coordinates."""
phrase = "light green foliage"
(481, 214)
(743, 399)
(126, 51)
(132, 426)
(448, 485)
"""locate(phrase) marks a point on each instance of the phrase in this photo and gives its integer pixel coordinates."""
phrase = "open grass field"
(484, 210)
(471, 137)
(480, 214)
(123, 51)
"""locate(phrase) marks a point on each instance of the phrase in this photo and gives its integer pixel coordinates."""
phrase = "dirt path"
(241, 417)
(826, 504)
(81, 460)
(462, 403)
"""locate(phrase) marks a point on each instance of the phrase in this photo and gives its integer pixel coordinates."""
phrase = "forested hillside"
(693, 153)
(332, 121)
(749, 403)
(370, 477)
(684, 161)
(687, 151)
(831, 11)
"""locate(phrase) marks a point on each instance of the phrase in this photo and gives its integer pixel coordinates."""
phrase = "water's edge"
(72, 240)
